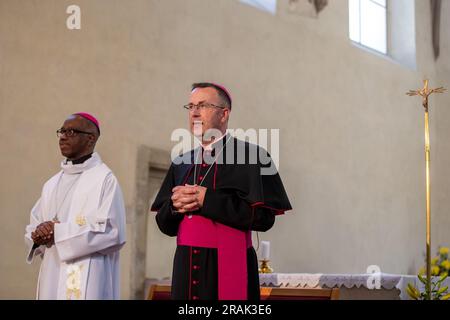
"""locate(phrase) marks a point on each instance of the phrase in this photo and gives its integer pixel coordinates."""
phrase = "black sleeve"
(167, 218)
(228, 208)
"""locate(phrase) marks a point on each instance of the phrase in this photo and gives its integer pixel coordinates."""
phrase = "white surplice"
(84, 261)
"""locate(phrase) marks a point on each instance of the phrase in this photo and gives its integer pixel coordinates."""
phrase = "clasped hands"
(44, 234)
(188, 198)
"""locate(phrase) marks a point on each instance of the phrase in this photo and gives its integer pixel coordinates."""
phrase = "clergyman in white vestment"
(78, 225)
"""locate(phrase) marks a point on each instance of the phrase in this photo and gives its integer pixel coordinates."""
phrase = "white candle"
(265, 250)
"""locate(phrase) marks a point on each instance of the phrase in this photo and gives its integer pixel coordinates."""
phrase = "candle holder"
(265, 268)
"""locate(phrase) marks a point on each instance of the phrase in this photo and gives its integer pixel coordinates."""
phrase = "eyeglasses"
(201, 106)
(70, 132)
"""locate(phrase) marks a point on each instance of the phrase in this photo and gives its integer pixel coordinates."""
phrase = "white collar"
(209, 147)
(69, 168)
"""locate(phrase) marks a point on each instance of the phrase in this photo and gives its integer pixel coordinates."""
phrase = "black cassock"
(238, 195)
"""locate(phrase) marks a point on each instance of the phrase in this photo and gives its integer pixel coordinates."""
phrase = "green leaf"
(443, 290)
(446, 297)
(443, 277)
(422, 279)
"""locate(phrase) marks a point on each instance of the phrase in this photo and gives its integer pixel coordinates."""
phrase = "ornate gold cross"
(425, 93)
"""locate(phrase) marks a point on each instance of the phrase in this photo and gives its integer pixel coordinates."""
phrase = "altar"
(351, 286)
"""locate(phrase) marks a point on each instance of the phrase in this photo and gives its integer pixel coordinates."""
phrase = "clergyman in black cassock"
(214, 258)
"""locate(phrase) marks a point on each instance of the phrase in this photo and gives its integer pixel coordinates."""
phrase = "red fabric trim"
(232, 247)
(256, 204)
(190, 271)
(261, 204)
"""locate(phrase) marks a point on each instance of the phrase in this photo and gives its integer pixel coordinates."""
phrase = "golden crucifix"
(425, 93)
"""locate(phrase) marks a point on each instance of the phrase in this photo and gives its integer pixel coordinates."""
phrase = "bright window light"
(265, 5)
(368, 23)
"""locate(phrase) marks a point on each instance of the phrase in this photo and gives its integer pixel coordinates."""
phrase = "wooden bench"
(163, 292)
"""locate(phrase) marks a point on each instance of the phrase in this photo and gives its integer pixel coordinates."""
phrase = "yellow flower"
(435, 271)
(434, 261)
(443, 250)
(445, 264)
(422, 271)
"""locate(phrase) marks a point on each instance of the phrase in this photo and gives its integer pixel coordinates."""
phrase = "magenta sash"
(231, 245)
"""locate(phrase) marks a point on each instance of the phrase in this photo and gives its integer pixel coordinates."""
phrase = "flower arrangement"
(440, 266)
